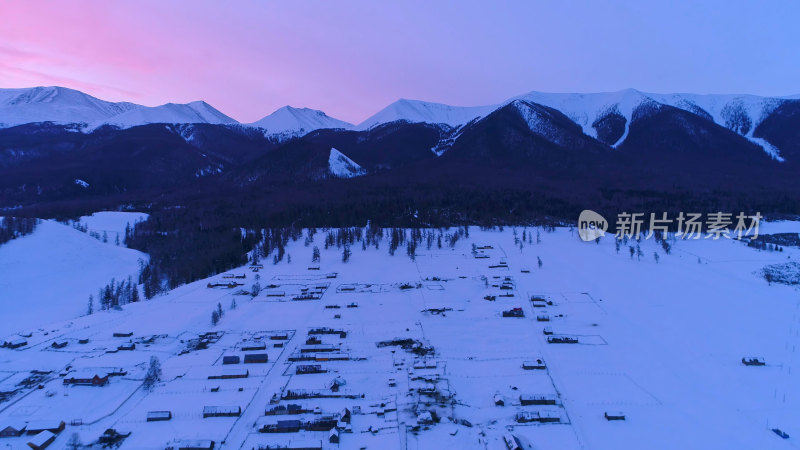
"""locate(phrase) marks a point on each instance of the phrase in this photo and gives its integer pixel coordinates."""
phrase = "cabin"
(41, 440)
(543, 318)
(127, 346)
(83, 341)
(536, 364)
(12, 429)
(526, 400)
(230, 374)
(345, 415)
(59, 344)
(256, 358)
(562, 340)
(286, 410)
(123, 334)
(549, 417)
(38, 426)
(280, 337)
(514, 312)
(511, 441)
(547, 331)
(253, 346)
(616, 415)
(86, 379)
(201, 444)
(159, 416)
(230, 359)
(306, 369)
(326, 423)
(753, 361)
(16, 343)
(333, 437)
(221, 411)
(282, 426)
(499, 400)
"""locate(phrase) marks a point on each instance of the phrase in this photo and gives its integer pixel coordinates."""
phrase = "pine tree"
(219, 310)
(539, 261)
(105, 237)
(214, 317)
(74, 442)
(135, 294)
(315, 255)
(233, 303)
(346, 254)
(153, 375)
(90, 308)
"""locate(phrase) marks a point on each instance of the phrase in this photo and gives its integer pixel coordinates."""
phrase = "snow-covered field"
(49, 275)
(658, 341)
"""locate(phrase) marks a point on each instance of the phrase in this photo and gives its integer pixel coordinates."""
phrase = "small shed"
(159, 416)
(535, 364)
(614, 415)
(499, 400)
(230, 359)
(59, 344)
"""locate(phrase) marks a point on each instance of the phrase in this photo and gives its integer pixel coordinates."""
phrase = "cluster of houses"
(334, 424)
(42, 433)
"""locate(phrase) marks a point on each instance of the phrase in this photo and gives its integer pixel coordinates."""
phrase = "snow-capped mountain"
(55, 104)
(289, 122)
(194, 112)
(341, 166)
(415, 111)
(739, 113)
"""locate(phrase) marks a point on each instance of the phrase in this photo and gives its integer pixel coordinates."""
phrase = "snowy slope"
(343, 167)
(48, 276)
(194, 112)
(55, 104)
(295, 122)
(416, 111)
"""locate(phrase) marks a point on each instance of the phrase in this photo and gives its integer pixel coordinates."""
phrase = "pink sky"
(352, 58)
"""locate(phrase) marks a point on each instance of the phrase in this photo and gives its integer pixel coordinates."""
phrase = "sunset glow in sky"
(352, 58)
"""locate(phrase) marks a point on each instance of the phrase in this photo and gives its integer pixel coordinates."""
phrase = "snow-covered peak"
(295, 122)
(55, 104)
(194, 112)
(415, 111)
(341, 166)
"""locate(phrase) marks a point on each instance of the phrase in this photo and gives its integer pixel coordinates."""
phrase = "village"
(471, 346)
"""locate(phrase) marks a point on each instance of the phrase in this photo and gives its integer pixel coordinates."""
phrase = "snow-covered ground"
(48, 275)
(660, 341)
